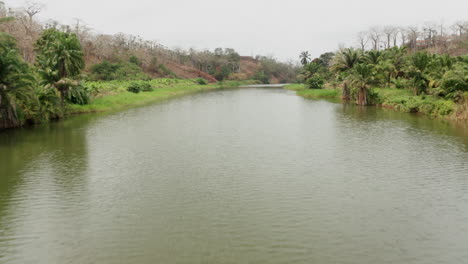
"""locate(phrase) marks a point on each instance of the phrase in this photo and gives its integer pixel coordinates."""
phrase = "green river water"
(236, 176)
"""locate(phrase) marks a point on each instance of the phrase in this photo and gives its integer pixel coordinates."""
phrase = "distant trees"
(423, 73)
(435, 36)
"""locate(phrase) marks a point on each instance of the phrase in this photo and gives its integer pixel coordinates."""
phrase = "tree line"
(44, 67)
(153, 58)
(427, 62)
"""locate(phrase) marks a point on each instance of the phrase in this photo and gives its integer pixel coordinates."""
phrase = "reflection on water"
(236, 176)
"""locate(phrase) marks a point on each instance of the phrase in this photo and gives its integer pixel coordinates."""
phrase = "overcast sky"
(281, 28)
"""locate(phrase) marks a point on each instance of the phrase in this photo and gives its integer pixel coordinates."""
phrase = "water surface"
(236, 176)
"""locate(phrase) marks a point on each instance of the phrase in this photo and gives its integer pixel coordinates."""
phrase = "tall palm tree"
(60, 58)
(362, 77)
(305, 58)
(15, 81)
(343, 62)
(373, 57)
(417, 69)
(346, 59)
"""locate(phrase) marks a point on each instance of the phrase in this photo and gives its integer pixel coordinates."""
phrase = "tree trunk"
(362, 96)
(346, 92)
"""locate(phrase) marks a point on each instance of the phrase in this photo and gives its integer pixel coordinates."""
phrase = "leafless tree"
(389, 33)
(374, 36)
(363, 39)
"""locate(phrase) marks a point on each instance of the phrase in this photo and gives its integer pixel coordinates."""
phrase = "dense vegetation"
(127, 57)
(408, 77)
(43, 73)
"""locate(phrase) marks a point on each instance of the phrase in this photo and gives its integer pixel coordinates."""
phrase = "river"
(236, 176)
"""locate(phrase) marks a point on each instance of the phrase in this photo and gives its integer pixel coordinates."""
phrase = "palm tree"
(346, 59)
(386, 70)
(15, 81)
(373, 57)
(60, 59)
(342, 64)
(417, 70)
(305, 58)
(362, 77)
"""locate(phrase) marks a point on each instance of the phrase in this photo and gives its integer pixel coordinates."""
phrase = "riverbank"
(113, 95)
(398, 99)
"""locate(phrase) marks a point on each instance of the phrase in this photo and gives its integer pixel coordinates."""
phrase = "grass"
(312, 93)
(295, 87)
(401, 100)
(112, 95)
(318, 93)
(404, 101)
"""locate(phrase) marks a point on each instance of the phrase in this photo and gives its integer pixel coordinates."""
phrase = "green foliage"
(78, 95)
(141, 86)
(454, 82)
(262, 77)
(417, 71)
(315, 82)
(50, 104)
(134, 60)
(346, 59)
(104, 71)
(360, 78)
(167, 72)
(122, 70)
(16, 82)
(201, 81)
(134, 88)
(318, 93)
(59, 55)
(428, 105)
(221, 73)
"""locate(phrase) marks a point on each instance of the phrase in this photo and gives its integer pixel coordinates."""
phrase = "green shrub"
(134, 60)
(146, 87)
(78, 95)
(167, 72)
(401, 83)
(262, 77)
(123, 70)
(201, 81)
(104, 70)
(315, 82)
(134, 88)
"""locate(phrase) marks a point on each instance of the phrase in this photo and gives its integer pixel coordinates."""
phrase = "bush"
(146, 87)
(104, 71)
(201, 81)
(134, 88)
(167, 72)
(315, 82)
(134, 60)
(262, 77)
(78, 95)
(401, 83)
(142, 86)
(117, 71)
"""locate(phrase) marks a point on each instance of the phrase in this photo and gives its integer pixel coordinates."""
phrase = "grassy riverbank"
(398, 99)
(113, 95)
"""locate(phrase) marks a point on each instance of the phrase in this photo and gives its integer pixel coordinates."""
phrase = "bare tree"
(460, 27)
(389, 32)
(413, 35)
(430, 33)
(363, 39)
(404, 33)
(374, 36)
